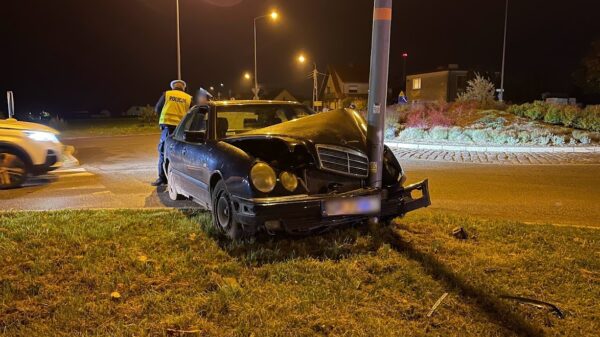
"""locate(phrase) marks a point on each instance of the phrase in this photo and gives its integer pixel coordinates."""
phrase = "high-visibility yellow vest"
(176, 106)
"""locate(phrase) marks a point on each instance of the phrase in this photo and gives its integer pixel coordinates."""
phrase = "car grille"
(343, 160)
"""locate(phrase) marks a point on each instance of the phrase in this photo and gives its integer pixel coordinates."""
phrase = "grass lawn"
(124, 273)
(107, 127)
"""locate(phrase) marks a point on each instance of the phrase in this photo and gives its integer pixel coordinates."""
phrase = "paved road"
(116, 172)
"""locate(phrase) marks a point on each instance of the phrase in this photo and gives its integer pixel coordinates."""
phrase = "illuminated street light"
(247, 76)
(274, 16)
(315, 76)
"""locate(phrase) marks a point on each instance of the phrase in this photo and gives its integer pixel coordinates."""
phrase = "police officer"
(172, 106)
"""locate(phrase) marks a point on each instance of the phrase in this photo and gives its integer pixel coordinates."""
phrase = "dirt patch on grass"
(59, 270)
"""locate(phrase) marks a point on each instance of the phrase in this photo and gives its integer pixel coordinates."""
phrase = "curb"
(513, 149)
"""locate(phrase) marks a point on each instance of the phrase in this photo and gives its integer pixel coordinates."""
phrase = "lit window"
(416, 83)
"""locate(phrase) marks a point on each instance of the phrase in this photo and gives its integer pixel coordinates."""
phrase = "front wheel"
(173, 195)
(13, 170)
(222, 210)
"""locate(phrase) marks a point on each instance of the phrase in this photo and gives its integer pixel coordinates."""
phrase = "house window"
(353, 89)
(416, 83)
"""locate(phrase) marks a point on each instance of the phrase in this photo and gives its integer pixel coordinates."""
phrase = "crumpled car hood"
(342, 127)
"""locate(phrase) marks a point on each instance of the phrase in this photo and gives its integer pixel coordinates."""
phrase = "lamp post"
(274, 15)
(178, 42)
(404, 57)
(501, 93)
(315, 76)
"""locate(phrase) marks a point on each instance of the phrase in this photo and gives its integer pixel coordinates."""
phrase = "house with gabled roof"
(345, 85)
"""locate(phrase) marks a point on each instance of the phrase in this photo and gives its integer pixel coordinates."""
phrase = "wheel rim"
(223, 212)
(12, 169)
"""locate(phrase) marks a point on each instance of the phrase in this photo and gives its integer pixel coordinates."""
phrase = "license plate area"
(366, 205)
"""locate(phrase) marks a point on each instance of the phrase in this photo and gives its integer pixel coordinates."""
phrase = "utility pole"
(255, 65)
(501, 94)
(378, 84)
(178, 42)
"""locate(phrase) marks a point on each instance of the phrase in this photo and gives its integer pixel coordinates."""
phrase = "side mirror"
(195, 136)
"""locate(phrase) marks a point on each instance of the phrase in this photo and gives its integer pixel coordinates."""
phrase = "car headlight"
(289, 181)
(263, 177)
(42, 136)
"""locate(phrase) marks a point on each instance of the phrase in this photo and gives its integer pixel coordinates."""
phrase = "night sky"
(71, 55)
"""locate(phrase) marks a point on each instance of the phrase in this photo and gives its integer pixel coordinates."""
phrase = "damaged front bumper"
(305, 213)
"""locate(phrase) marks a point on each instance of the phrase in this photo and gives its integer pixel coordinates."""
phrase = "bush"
(589, 118)
(439, 133)
(558, 140)
(148, 115)
(553, 114)
(478, 136)
(412, 134)
(518, 110)
(581, 136)
(480, 90)
(429, 115)
(569, 115)
(536, 111)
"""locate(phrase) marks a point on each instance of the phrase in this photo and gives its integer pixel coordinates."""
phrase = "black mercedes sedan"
(277, 166)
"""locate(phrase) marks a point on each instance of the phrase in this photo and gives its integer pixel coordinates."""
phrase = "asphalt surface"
(116, 172)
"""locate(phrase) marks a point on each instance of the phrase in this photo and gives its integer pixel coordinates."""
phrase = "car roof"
(253, 102)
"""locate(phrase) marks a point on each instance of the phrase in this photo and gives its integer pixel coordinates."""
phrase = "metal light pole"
(501, 94)
(273, 16)
(378, 83)
(404, 57)
(10, 99)
(178, 42)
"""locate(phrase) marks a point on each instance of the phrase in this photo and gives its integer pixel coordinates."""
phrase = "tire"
(173, 195)
(222, 210)
(13, 169)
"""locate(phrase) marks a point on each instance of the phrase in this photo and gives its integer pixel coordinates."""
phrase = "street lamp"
(315, 76)
(178, 42)
(247, 75)
(274, 16)
(501, 93)
(404, 57)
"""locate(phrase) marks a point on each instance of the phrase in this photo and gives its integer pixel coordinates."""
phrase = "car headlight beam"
(263, 177)
(42, 136)
(289, 181)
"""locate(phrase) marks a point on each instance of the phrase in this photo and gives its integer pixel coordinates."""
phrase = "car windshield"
(237, 119)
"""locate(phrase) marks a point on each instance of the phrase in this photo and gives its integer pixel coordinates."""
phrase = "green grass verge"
(58, 270)
(107, 127)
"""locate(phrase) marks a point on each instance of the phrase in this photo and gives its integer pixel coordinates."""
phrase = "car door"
(195, 154)
(175, 154)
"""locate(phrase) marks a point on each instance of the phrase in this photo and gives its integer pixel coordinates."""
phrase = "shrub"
(147, 115)
(518, 110)
(439, 133)
(589, 118)
(524, 137)
(536, 111)
(558, 140)
(553, 114)
(478, 136)
(569, 115)
(412, 134)
(504, 137)
(581, 136)
(480, 90)
(429, 115)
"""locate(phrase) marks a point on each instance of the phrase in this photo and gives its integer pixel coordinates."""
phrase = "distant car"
(26, 149)
(277, 166)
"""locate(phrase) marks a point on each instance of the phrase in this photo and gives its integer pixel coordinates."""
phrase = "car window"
(236, 119)
(195, 120)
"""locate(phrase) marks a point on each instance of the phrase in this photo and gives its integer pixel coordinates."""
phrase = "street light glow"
(247, 76)
(274, 15)
(301, 58)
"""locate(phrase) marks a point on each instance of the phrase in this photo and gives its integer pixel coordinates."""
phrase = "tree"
(480, 90)
(588, 75)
